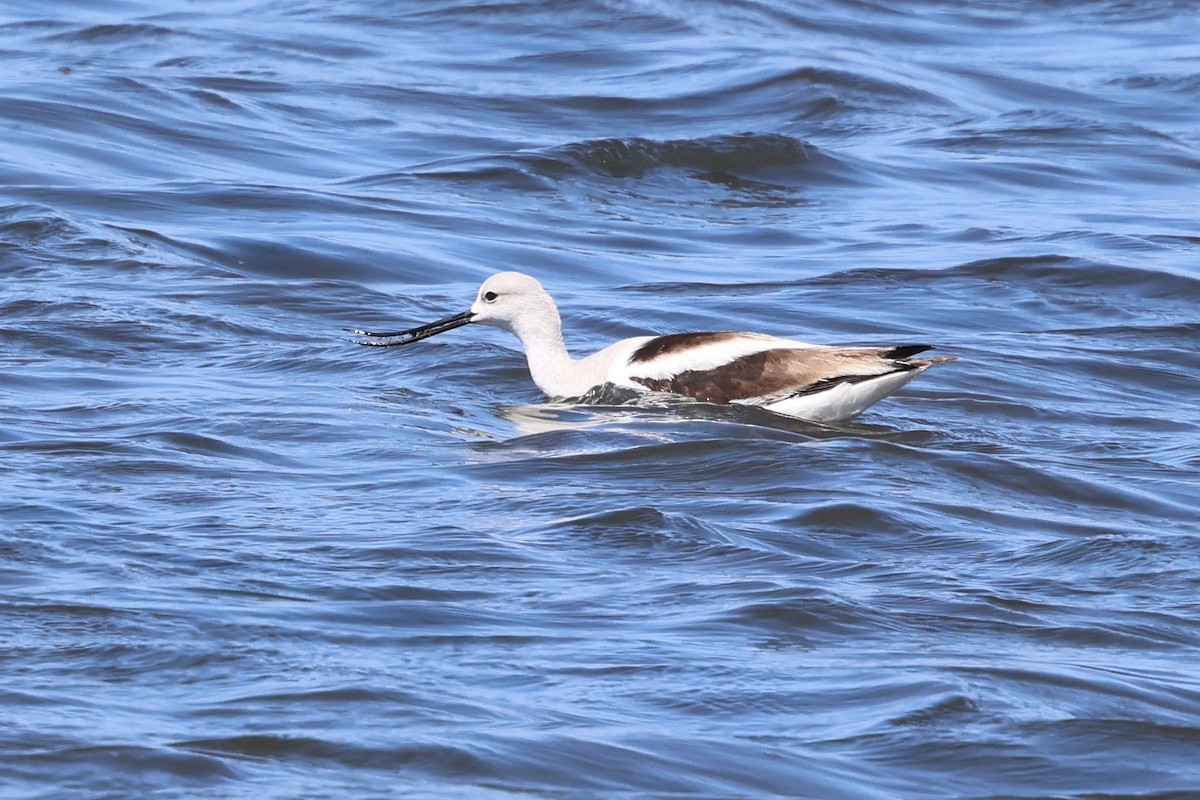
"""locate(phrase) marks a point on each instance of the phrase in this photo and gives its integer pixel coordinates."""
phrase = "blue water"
(242, 558)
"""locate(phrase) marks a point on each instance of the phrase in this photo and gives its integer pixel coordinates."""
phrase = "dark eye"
(490, 297)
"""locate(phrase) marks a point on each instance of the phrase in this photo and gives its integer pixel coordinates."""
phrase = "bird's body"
(812, 382)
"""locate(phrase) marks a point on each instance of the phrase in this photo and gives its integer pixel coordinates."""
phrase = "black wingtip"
(906, 351)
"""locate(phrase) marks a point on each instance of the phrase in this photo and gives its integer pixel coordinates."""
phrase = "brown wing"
(774, 373)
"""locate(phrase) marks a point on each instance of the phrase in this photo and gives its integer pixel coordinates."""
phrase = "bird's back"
(785, 375)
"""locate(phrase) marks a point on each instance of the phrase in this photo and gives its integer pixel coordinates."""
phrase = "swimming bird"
(812, 382)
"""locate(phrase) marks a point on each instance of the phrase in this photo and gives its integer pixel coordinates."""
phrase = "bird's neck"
(550, 365)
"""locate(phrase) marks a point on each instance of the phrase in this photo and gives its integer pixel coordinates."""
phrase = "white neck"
(550, 365)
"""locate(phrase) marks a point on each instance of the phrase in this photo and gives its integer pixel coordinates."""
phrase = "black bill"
(416, 334)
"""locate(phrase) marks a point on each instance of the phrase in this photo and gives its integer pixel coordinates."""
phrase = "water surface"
(240, 557)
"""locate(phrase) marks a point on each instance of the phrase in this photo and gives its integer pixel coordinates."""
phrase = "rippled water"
(241, 557)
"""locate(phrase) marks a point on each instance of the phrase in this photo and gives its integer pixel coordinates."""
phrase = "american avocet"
(813, 382)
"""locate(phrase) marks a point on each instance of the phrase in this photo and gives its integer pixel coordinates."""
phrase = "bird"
(818, 383)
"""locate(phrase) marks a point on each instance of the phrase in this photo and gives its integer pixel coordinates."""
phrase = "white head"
(506, 300)
(517, 303)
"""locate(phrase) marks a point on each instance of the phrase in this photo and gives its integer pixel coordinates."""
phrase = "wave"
(113, 33)
(620, 158)
(426, 758)
(762, 158)
(1046, 269)
(121, 763)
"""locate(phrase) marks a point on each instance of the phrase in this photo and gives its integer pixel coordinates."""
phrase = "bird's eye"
(490, 297)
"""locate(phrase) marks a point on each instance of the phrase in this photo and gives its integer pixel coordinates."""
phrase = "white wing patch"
(707, 356)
